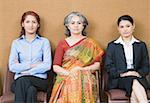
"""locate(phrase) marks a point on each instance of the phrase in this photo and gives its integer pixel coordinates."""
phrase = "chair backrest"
(8, 79)
(51, 80)
(104, 80)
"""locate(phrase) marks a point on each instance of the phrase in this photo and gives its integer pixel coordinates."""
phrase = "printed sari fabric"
(81, 87)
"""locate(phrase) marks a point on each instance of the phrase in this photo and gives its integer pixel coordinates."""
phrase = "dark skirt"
(125, 83)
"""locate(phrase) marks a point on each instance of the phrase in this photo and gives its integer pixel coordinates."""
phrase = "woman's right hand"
(25, 73)
(77, 68)
(66, 73)
(73, 72)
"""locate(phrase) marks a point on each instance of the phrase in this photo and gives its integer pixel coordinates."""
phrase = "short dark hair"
(125, 17)
(68, 19)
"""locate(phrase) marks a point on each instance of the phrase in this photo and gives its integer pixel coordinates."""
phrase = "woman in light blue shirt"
(30, 59)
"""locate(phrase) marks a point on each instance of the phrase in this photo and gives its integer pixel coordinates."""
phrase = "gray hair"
(68, 18)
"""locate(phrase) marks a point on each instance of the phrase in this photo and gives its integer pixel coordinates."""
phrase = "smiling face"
(126, 28)
(75, 26)
(30, 24)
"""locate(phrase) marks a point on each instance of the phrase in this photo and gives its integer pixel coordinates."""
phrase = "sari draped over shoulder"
(82, 87)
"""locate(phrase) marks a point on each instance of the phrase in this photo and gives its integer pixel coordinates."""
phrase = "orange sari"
(82, 88)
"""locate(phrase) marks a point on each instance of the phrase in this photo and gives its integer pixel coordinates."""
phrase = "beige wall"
(101, 14)
(149, 27)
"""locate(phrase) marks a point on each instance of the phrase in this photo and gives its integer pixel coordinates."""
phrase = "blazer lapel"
(135, 53)
(121, 53)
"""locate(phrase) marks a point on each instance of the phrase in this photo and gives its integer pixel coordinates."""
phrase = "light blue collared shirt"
(24, 53)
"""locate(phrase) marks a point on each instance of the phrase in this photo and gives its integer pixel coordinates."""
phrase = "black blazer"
(115, 61)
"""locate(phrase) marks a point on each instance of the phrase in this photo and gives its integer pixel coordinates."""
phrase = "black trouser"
(26, 87)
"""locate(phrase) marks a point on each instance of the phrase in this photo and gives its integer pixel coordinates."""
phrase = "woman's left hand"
(73, 72)
(133, 73)
(77, 68)
(35, 64)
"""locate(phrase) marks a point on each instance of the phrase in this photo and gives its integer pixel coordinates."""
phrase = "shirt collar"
(119, 40)
(36, 37)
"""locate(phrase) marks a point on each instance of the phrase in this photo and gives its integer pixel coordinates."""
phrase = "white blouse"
(128, 50)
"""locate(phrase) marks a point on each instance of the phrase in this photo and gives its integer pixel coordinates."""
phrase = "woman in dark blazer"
(127, 62)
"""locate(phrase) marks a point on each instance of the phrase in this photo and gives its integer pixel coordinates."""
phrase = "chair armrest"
(51, 80)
